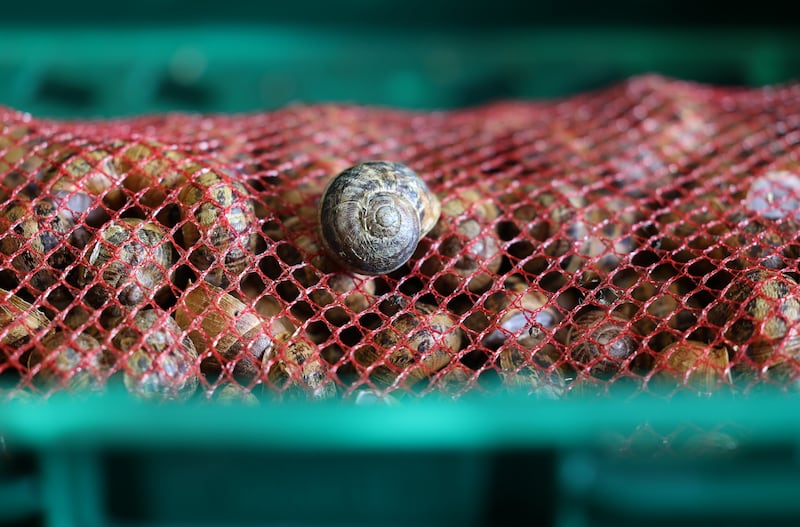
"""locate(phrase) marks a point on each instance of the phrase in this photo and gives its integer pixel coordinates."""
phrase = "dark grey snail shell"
(373, 215)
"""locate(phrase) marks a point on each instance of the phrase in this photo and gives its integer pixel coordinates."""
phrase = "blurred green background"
(81, 59)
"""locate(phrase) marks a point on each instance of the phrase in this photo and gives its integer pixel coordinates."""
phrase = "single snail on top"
(373, 215)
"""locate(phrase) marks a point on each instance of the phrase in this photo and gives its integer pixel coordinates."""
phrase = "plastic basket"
(113, 71)
(497, 461)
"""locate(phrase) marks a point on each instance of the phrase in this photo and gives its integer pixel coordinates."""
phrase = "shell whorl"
(373, 214)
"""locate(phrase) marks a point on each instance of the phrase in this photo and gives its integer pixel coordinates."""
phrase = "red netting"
(644, 236)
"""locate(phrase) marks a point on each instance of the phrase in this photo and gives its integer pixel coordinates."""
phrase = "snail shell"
(602, 342)
(219, 227)
(83, 181)
(523, 312)
(38, 233)
(151, 171)
(161, 364)
(764, 306)
(696, 364)
(134, 258)
(520, 370)
(353, 294)
(542, 211)
(602, 234)
(19, 320)
(77, 362)
(299, 371)
(765, 243)
(468, 249)
(234, 333)
(373, 215)
(415, 345)
(232, 393)
(18, 159)
(455, 381)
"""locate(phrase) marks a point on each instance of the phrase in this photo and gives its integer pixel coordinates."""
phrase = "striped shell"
(133, 257)
(219, 220)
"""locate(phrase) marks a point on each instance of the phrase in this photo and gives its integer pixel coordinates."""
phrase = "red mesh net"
(645, 236)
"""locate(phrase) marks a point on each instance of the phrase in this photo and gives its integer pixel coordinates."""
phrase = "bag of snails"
(643, 236)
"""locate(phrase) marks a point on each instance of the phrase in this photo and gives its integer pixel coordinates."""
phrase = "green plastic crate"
(491, 461)
(98, 71)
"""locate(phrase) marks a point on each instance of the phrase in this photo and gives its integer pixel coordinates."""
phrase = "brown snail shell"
(39, 234)
(83, 182)
(706, 228)
(12, 147)
(313, 254)
(469, 248)
(219, 225)
(352, 293)
(19, 320)
(601, 341)
(78, 318)
(520, 370)
(17, 162)
(764, 306)
(373, 215)
(134, 260)
(456, 381)
(765, 243)
(525, 313)
(77, 361)
(541, 211)
(602, 234)
(160, 363)
(472, 254)
(152, 170)
(232, 393)
(299, 370)
(414, 346)
(696, 364)
(235, 334)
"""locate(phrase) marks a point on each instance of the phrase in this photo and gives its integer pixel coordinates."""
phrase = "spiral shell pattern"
(373, 215)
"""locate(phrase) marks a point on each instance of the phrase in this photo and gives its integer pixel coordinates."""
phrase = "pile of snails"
(95, 235)
(133, 253)
(627, 302)
(138, 261)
